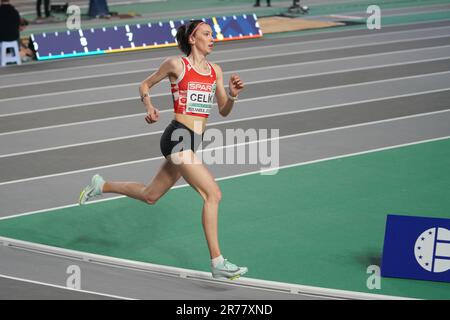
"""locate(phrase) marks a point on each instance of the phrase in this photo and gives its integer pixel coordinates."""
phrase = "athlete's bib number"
(200, 97)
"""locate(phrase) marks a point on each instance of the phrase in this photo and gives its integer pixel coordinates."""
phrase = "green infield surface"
(319, 224)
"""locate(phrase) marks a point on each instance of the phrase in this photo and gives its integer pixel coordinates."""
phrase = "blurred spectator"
(9, 22)
(46, 8)
(258, 4)
(27, 52)
(23, 24)
(98, 9)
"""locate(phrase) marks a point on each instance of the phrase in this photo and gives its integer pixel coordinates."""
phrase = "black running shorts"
(177, 137)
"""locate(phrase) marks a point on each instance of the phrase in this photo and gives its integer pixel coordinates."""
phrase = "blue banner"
(94, 41)
(417, 248)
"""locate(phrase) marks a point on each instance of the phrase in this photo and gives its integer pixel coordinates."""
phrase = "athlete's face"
(203, 39)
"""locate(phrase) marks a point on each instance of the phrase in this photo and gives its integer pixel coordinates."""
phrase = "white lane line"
(294, 43)
(195, 275)
(77, 105)
(134, 115)
(354, 69)
(92, 104)
(241, 100)
(244, 59)
(227, 146)
(219, 122)
(62, 287)
(346, 17)
(230, 176)
(251, 82)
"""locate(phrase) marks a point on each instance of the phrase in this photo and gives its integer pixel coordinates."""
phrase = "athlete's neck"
(198, 60)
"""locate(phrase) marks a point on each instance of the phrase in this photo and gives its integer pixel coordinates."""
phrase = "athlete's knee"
(214, 195)
(151, 199)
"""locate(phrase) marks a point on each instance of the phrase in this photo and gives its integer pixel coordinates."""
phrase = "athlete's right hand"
(152, 115)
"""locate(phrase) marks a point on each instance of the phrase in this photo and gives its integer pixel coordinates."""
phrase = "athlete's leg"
(201, 179)
(166, 177)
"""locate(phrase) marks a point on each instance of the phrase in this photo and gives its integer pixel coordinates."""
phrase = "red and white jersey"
(193, 92)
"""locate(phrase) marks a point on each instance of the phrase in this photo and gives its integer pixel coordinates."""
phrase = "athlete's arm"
(170, 67)
(235, 86)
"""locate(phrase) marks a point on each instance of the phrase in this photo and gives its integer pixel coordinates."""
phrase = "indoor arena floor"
(363, 120)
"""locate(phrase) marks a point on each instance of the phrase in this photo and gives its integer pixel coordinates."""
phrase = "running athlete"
(194, 83)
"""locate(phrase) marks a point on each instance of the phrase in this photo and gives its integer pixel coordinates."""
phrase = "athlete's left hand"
(236, 85)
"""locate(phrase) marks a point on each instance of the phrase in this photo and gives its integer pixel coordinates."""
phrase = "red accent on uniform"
(179, 89)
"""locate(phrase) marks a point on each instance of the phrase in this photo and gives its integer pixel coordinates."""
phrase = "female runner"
(194, 83)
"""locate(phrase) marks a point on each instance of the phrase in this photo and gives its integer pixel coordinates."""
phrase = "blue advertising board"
(95, 41)
(417, 248)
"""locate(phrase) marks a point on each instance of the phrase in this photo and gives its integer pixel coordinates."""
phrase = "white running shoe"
(227, 270)
(92, 190)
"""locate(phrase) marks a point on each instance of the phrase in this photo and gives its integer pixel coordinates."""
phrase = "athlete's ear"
(191, 40)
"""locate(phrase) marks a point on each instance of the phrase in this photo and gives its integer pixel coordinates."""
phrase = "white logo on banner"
(432, 250)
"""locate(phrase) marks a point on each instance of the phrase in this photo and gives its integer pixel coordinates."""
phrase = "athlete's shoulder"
(173, 62)
(172, 65)
(216, 68)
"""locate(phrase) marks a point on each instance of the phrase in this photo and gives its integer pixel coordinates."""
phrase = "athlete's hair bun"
(182, 39)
